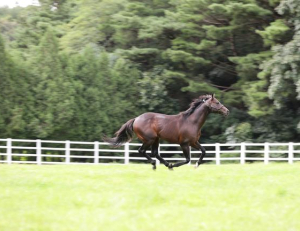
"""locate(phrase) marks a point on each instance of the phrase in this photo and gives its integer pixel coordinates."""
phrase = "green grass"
(133, 197)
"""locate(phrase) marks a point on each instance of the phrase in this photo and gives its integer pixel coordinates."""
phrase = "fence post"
(291, 153)
(218, 160)
(243, 153)
(126, 153)
(38, 152)
(8, 151)
(190, 155)
(157, 160)
(96, 152)
(266, 153)
(67, 152)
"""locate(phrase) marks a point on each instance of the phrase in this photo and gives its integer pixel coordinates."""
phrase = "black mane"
(195, 104)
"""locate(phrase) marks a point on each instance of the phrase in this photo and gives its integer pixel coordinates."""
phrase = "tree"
(282, 69)
(106, 92)
(85, 67)
(53, 90)
(15, 96)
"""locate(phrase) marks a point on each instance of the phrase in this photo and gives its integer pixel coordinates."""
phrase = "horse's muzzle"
(225, 112)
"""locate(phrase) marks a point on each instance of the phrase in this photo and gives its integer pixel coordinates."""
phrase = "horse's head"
(215, 106)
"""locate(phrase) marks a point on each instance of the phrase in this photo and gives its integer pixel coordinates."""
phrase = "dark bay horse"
(183, 129)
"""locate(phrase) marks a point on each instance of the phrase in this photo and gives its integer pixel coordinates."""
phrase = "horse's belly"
(170, 139)
(170, 134)
(179, 135)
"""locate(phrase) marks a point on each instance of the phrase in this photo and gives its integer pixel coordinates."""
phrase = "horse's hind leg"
(156, 154)
(186, 152)
(143, 151)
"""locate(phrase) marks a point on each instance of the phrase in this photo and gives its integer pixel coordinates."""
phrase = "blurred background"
(77, 69)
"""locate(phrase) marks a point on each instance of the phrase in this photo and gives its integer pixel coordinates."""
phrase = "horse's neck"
(200, 115)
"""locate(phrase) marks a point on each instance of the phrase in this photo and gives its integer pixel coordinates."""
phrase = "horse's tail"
(124, 135)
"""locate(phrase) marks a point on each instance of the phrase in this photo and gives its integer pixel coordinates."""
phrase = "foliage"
(15, 95)
(74, 69)
(53, 90)
(283, 68)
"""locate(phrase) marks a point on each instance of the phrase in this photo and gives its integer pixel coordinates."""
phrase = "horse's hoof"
(154, 167)
(197, 165)
(170, 167)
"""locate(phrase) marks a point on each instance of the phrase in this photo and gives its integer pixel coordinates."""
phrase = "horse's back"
(148, 119)
(152, 118)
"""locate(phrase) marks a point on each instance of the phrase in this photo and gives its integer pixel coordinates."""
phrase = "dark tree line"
(74, 69)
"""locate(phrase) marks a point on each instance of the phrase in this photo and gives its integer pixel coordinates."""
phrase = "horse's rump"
(152, 126)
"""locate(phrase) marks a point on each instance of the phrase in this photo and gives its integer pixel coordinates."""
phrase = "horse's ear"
(213, 95)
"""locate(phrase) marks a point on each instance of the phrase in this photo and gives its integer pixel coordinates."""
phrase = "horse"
(183, 129)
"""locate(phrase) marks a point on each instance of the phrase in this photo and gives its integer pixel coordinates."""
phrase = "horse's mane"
(195, 104)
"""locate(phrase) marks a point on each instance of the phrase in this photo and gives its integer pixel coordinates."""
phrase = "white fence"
(71, 152)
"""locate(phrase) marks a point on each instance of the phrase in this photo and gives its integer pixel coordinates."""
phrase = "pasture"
(136, 198)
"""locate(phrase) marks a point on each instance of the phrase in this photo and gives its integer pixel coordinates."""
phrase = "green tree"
(283, 69)
(79, 68)
(106, 92)
(53, 90)
(15, 96)
(90, 117)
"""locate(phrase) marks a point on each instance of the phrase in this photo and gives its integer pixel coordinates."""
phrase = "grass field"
(134, 197)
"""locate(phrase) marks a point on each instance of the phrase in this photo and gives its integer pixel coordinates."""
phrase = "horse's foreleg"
(199, 147)
(143, 151)
(186, 152)
(156, 154)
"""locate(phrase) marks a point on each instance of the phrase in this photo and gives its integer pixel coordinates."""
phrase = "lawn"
(134, 197)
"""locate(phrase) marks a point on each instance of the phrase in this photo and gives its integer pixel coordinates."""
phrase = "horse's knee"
(202, 150)
(187, 161)
(141, 151)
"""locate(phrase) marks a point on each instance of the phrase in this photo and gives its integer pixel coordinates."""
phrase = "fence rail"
(73, 152)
